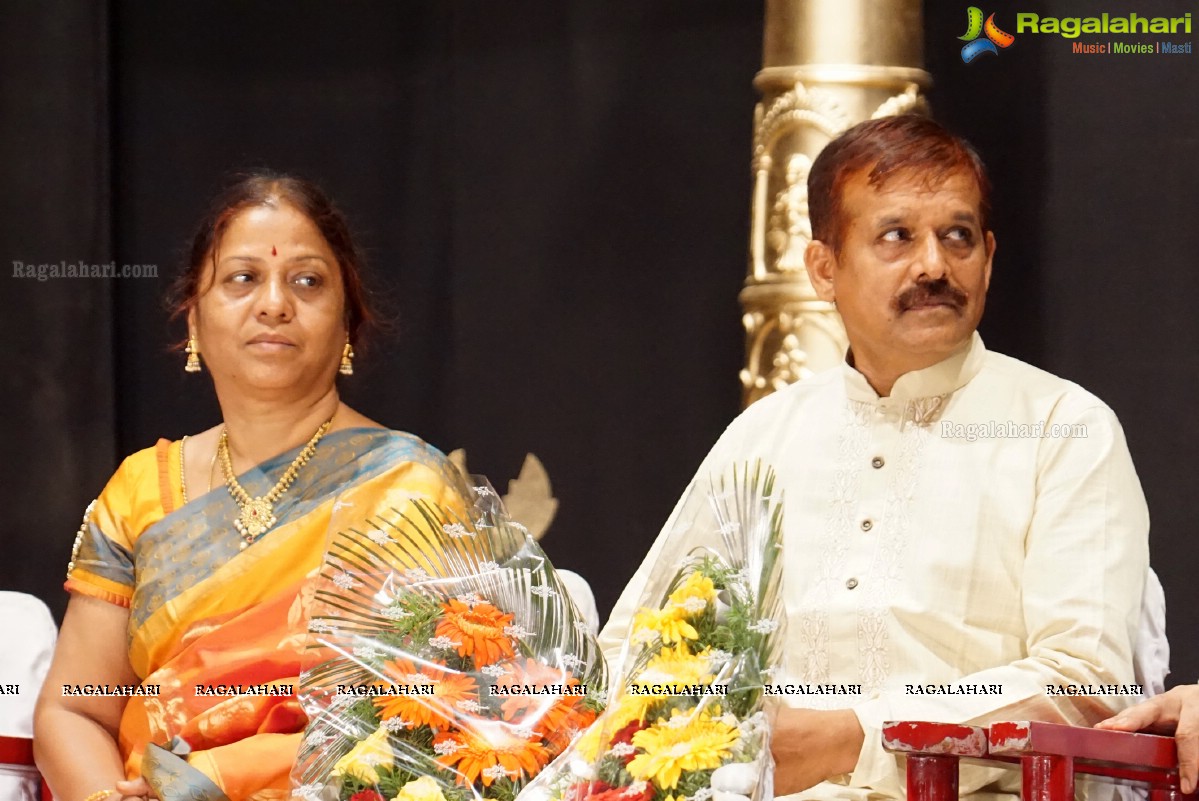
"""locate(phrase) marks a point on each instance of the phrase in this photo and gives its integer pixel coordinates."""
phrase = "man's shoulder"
(1039, 387)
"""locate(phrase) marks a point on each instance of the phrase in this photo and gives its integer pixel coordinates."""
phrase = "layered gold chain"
(258, 514)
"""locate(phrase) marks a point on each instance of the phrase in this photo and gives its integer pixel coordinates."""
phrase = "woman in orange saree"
(188, 612)
(217, 633)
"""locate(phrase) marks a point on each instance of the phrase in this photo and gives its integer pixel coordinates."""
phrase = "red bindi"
(273, 251)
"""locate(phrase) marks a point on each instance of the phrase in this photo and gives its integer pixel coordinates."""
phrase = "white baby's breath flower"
(636, 788)
(582, 626)
(694, 605)
(485, 491)
(443, 642)
(763, 626)
(497, 772)
(495, 671)
(378, 536)
(447, 747)
(345, 580)
(396, 725)
(622, 749)
(472, 598)
(367, 652)
(457, 530)
(488, 566)
(418, 678)
(571, 661)
(470, 705)
(319, 626)
(525, 732)
(517, 630)
(310, 792)
(702, 794)
(416, 574)
(543, 591)
(396, 613)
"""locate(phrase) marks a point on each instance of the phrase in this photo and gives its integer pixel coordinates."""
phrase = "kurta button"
(849, 585)
(877, 462)
(867, 525)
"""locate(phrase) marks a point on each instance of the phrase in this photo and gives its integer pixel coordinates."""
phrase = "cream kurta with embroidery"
(982, 527)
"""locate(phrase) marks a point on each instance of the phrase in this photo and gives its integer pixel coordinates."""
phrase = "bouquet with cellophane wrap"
(686, 720)
(448, 661)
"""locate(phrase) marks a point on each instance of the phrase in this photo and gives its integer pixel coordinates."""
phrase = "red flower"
(583, 790)
(623, 794)
(625, 735)
(367, 795)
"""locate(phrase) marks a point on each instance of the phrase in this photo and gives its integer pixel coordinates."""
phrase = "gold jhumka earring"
(193, 356)
(347, 359)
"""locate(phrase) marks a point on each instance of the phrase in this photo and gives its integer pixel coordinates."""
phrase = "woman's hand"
(1176, 712)
(135, 790)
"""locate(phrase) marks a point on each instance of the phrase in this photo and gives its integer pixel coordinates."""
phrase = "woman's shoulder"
(387, 443)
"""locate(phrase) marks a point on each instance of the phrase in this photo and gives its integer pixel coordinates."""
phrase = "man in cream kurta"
(962, 530)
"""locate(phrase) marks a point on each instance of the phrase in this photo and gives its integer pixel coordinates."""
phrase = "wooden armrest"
(1053, 752)
(941, 739)
(932, 751)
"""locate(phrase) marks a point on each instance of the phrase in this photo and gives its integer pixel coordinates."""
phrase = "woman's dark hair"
(275, 189)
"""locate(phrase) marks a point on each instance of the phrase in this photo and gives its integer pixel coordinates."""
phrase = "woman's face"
(271, 316)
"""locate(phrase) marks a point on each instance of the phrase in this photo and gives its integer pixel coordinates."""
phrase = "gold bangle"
(99, 795)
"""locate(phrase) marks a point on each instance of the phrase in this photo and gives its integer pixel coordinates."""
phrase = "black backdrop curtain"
(554, 198)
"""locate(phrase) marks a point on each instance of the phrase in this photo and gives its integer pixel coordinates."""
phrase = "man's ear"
(821, 263)
(990, 240)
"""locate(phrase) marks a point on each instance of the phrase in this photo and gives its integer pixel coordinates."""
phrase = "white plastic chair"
(27, 635)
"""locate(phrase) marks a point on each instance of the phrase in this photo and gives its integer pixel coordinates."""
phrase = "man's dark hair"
(888, 146)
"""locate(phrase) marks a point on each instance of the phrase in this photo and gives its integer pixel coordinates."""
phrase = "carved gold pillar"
(827, 64)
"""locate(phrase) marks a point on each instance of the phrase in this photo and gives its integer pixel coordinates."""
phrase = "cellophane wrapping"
(448, 662)
(686, 719)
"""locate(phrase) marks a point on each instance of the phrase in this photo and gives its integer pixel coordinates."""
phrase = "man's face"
(911, 276)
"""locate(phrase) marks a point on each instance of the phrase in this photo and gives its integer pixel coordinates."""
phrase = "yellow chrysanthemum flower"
(677, 665)
(670, 624)
(697, 586)
(365, 757)
(423, 789)
(672, 747)
(589, 743)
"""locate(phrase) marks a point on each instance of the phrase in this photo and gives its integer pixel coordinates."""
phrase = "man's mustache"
(926, 292)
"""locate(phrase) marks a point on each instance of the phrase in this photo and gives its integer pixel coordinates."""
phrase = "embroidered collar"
(922, 392)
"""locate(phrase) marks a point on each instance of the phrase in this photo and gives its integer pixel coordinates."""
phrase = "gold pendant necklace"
(258, 514)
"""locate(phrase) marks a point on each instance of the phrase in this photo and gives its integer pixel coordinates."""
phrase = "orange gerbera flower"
(478, 631)
(558, 716)
(490, 750)
(426, 696)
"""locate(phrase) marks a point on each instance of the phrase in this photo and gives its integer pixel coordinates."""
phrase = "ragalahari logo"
(995, 38)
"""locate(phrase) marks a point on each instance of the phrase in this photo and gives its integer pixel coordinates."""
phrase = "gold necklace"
(258, 514)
